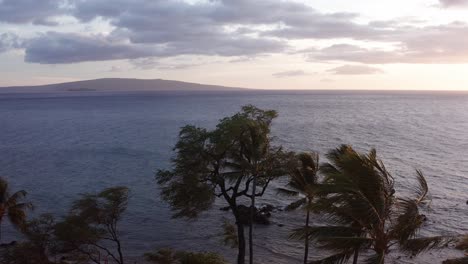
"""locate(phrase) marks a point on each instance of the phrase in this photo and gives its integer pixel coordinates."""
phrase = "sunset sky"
(313, 44)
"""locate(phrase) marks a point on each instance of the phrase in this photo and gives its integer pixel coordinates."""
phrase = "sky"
(267, 44)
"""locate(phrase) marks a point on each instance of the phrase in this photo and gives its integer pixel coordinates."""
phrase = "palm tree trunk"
(306, 242)
(356, 255)
(1, 228)
(252, 214)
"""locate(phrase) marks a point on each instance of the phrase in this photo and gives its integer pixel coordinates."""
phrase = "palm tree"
(358, 197)
(303, 177)
(461, 245)
(11, 206)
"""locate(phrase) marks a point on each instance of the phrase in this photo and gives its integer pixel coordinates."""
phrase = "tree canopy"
(225, 162)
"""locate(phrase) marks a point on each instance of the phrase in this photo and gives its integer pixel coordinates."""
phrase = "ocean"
(56, 146)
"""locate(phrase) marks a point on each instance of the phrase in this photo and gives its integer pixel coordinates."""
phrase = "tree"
(225, 162)
(92, 225)
(169, 256)
(162, 256)
(461, 245)
(12, 207)
(359, 197)
(302, 179)
(253, 155)
(39, 246)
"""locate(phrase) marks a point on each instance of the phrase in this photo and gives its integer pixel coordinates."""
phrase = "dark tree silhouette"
(302, 180)
(12, 207)
(92, 226)
(358, 196)
(170, 256)
(229, 162)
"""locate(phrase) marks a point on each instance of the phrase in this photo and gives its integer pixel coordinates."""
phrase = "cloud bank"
(228, 28)
(38, 12)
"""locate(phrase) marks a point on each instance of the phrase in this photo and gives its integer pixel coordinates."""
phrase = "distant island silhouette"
(118, 84)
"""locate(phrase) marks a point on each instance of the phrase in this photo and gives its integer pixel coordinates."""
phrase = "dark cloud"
(355, 70)
(454, 3)
(55, 48)
(167, 21)
(30, 11)
(289, 74)
(231, 28)
(208, 28)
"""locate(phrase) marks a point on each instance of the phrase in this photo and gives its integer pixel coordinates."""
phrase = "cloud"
(212, 28)
(154, 63)
(444, 44)
(183, 28)
(355, 70)
(115, 69)
(229, 28)
(454, 3)
(353, 53)
(289, 74)
(8, 41)
(56, 48)
(30, 11)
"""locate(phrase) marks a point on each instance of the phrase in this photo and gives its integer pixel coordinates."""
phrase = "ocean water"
(57, 146)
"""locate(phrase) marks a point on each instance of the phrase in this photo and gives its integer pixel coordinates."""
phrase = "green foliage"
(215, 163)
(463, 260)
(169, 256)
(39, 246)
(22, 253)
(302, 181)
(230, 234)
(162, 256)
(11, 205)
(93, 219)
(359, 198)
(201, 258)
(230, 161)
(462, 244)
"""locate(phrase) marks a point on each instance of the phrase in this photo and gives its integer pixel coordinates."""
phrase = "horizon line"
(234, 87)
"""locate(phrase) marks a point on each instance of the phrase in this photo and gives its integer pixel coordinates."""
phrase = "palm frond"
(338, 258)
(463, 260)
(286, 192)
(408, 221)
(339, 244)
(17, 217)
(462, 244)
(378, 258)
(296, 204)
(14, 198)
(418, 245)
(422, 189)
(318, 232)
